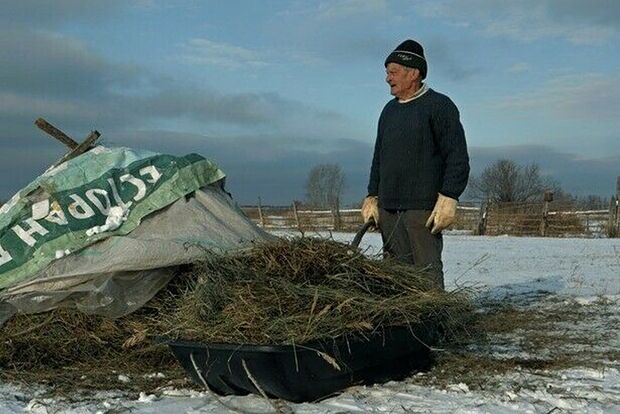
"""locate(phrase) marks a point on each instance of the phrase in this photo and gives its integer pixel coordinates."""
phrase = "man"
(420, 165)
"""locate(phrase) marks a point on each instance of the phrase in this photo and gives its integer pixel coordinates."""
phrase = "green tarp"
(65, 204)
(104, 231)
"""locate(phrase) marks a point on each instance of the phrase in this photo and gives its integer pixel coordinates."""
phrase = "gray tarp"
(117, 275)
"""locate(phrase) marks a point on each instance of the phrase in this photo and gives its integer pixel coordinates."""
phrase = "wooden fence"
(546, 219)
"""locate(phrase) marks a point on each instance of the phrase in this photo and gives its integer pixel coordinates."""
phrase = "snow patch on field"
(577, 390)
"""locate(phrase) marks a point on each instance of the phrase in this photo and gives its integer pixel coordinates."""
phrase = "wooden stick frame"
(75, 149)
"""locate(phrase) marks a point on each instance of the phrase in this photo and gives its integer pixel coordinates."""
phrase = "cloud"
(269, 141)
(336, 9)
(64, 81)
(16, 173)
(591, 35)
(275, 166)
(604, 12)
(324, 33)
(578, 22)
(519, 67)
(447, 59)
(48, 64)
(344, 9)
(272, 166)
(265, 141)
(575, 173)
(209, 106)
(253, 112)
(207, 52)
(585, 96)
(223, 114)
(46, 14)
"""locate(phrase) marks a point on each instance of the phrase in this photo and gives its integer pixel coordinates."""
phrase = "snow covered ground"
(542, 272)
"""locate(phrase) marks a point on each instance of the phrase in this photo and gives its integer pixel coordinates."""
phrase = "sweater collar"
(419, 93)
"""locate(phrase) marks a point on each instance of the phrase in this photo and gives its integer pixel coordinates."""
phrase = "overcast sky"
(267, 89)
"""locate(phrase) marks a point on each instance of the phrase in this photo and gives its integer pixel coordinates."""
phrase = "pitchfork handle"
(360, 233)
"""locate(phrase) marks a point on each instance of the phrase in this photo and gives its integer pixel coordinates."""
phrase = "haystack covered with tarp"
(356, 318)
(103, 232)
(112, 253)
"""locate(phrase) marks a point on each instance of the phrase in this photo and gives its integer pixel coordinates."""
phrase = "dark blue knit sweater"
(420, 151)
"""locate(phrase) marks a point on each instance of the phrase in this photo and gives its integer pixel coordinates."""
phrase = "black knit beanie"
(409, 53)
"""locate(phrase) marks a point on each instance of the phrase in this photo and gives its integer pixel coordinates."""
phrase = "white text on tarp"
(82, 207)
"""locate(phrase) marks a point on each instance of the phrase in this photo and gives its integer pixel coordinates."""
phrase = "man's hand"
(370, 209)
(443, 214)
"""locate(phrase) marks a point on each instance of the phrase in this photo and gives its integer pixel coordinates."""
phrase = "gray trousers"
(406, 238)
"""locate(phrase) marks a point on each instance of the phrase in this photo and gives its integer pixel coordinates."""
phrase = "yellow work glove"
(443, 214)
(370, 209)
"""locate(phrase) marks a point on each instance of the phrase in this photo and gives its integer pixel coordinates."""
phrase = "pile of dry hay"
(293, 291)
(283, 292)
(68, 349)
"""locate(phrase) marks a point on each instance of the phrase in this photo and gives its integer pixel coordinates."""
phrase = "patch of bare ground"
(546, 335)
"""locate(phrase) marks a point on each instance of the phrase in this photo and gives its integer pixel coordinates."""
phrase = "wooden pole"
(56, 133)
(544, 223)
(338, 217)
(614, 217)
(611, 230)
(336, 214)
(296, 215)
(84, 146)
(260, 214)
(482, 218)
(617, 214)
(617, 208)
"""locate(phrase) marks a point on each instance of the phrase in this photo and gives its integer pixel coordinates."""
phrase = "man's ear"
(416, 74)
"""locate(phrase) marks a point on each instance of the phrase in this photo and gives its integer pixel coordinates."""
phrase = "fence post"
(260, 214)
(544, 223)
(614, 217)
(296, 215)
(482, 218)
(336, 214)
(617, 226)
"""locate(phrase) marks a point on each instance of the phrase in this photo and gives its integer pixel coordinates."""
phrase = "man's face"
(401, 80)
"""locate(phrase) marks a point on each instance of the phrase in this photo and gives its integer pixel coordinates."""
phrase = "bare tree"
(324, 186)
(507, 181)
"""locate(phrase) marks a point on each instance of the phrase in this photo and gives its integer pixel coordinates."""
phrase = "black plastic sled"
(310, 371)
